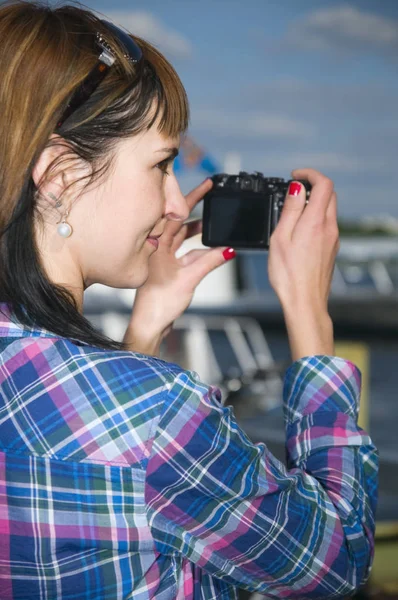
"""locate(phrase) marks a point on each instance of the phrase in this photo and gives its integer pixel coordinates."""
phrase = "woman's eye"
(165, 165)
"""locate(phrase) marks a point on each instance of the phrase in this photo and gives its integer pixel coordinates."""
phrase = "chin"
(129, 273)
(127, 281)
(129, 284)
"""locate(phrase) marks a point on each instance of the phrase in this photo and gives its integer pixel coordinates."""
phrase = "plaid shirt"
(124, 477)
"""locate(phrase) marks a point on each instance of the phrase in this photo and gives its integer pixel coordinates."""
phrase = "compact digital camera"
(243, 210)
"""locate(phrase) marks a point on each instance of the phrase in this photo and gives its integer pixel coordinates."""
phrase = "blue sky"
(285, 84)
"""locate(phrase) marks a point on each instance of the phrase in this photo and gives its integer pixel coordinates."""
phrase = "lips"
(153, 239)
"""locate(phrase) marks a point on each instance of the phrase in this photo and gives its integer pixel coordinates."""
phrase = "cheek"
(129, 212)
(114, 248)
(149, 207)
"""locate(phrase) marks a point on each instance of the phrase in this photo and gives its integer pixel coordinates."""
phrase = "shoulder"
(100, 405)
(70, 358)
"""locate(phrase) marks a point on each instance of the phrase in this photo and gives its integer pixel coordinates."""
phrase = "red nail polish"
(229, 254)
(294, 188)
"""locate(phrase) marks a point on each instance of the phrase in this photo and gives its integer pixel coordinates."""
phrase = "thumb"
(292, 208)
(201, 262)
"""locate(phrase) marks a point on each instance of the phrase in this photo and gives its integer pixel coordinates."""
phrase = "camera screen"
(240, 219)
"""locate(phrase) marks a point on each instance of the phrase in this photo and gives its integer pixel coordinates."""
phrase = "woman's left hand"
(169, 289)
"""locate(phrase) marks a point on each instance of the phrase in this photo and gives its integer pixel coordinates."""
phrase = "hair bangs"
(168, 97)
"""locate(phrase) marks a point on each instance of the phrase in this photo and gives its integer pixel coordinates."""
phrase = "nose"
(176, 207)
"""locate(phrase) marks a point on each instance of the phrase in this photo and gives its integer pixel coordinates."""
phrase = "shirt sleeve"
(229, 506)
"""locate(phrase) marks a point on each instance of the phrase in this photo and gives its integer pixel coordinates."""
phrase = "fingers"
(187, 231)
(197, 193)
(192, 256)
(311, 175)
(331, 211)
(202, 262)
(332, 222)
(321, 193)
(292, 209)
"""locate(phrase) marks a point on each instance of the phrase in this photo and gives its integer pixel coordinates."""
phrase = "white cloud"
(144, 24)
(251, 125)
(344, 28)
(305, 97)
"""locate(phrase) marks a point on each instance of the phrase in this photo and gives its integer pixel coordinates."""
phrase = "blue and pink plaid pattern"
(124, 477)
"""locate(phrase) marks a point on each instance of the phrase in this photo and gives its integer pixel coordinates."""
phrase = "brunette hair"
(45, 53)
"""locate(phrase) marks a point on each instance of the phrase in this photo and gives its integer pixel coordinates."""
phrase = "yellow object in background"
(358, 353)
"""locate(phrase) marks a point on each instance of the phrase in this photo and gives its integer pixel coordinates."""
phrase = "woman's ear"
(40, 172)
(44, 174)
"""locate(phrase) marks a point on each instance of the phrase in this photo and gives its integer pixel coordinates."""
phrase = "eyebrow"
(172, 151)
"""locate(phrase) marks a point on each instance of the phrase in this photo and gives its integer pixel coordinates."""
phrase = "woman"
(123, 476)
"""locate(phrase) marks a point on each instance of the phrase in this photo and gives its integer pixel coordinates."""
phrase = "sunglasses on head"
(105, 61)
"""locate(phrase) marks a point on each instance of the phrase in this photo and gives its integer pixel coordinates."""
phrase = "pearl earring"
(64, 229)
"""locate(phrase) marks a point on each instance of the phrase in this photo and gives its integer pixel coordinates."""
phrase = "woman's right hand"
(302, 254)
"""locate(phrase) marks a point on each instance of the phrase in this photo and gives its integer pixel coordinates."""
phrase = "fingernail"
(229, 254)
(294, 188)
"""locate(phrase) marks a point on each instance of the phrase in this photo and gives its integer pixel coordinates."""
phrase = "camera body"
(243, 210)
